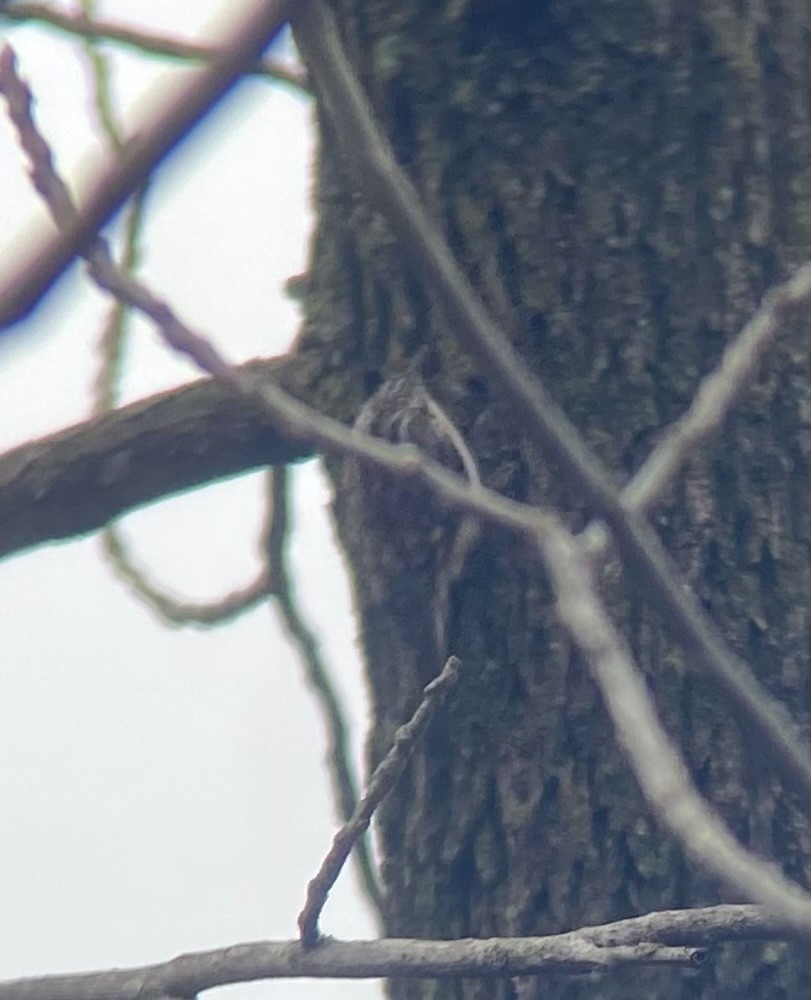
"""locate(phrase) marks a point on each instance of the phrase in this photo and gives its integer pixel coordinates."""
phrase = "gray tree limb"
(75, 481)
(670, 937)
(147, 147)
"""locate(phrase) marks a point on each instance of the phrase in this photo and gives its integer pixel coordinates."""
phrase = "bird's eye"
(372, 380)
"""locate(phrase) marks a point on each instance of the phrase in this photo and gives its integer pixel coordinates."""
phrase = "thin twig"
(380, 784)
(112, 341)
(715, 398)
(572, 578)
(105, 394)
(653, 570)
(100, 68)
(172, 610)
(279, 586)
(656, 762)
(114, 332)
(180, 113)
(85, 25)
(716, 395)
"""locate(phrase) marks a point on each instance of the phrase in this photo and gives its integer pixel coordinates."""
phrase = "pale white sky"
(163, 790)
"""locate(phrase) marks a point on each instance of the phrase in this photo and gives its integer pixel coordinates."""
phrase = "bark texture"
(622, 181)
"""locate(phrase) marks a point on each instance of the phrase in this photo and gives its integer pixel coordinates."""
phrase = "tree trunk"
(622, 181)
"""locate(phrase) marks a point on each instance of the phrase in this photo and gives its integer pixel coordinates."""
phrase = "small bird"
(414, 545)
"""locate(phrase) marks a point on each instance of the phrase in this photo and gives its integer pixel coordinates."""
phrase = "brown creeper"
(413, 546)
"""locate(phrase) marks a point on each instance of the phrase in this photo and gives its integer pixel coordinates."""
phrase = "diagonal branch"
(717, 394)
(186, 107)
(713, 401)
(658, 765)
(279, 586)
(369, 153)
(380, 784)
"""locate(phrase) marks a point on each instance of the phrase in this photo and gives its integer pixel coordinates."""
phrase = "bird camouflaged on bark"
(415, 546)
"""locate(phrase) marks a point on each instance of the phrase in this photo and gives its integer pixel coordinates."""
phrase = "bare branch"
(99, 29)
(100, 69)
(380, 784)
(78, 479)
(669, 937)
(170, 609)
(113, 336)
(185, 108)
(278, 585)
(703, 925)
(654, 572)
(716, 395)
(659, 767)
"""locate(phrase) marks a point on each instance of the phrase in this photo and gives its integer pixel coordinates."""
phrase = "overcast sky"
(163, 790)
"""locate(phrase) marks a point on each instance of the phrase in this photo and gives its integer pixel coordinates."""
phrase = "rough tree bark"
(622, 181)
